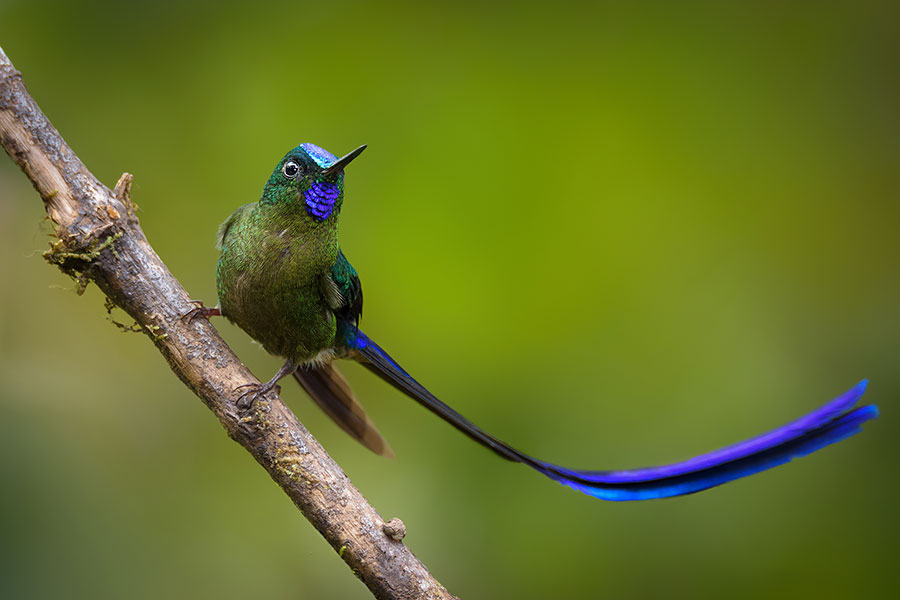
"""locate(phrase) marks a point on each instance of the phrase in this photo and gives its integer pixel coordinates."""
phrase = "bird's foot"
(255, 390)
(201, 311)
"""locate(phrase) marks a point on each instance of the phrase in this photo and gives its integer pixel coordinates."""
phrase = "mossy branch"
(99, 240)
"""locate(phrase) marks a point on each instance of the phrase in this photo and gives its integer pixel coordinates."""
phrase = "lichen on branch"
(101, 241)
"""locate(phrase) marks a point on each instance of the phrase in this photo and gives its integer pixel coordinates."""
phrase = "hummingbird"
(283, 279)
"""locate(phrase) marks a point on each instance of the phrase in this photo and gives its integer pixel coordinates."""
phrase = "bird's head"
(311, 175)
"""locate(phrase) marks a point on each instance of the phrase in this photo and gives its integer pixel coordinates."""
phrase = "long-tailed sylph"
(283, 279)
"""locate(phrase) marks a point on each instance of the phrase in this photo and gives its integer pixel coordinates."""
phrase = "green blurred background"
(614, 234)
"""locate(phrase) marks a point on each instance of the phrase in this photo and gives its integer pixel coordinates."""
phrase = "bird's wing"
(829, 424)
(328, 388)
(225, 227)
(342, 291)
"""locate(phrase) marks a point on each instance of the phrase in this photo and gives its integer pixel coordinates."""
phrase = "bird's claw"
(200, 311)
(253, 392)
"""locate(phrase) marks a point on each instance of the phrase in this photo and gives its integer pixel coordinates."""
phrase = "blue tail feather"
(827, 425)
(612, 487)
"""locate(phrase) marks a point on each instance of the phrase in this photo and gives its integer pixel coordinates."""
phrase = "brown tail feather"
(328, 388)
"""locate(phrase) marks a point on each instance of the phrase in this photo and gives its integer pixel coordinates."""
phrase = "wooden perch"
(101, 241)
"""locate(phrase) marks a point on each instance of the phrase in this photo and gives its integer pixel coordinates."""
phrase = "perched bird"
(283, 279)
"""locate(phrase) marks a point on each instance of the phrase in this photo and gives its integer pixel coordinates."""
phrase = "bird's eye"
(290, 169)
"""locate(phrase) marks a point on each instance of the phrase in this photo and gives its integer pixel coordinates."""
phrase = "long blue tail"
(829, 424)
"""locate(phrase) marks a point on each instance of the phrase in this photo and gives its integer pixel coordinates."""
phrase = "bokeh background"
(613, 234)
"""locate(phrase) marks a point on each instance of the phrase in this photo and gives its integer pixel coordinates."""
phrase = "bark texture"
(101, 241)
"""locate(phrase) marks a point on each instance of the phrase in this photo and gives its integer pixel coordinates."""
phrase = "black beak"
(343, 161)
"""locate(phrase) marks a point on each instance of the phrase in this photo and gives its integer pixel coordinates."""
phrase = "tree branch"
(100, 240)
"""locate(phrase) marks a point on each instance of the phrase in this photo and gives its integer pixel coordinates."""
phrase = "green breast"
(268, 280)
